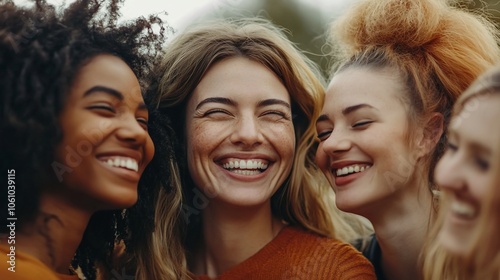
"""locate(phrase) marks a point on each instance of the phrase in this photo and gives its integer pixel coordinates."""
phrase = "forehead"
(379, 87)
(240, 78)
(107, 71)
(478, 121)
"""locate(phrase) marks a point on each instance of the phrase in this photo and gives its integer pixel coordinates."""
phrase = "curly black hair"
(42, 48)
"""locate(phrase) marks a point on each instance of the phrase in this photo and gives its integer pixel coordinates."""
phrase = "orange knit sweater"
(296, 254)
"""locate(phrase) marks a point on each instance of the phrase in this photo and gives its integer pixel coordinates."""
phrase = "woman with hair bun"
(402, 65)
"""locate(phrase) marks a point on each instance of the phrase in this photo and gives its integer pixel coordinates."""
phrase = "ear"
(432, 130)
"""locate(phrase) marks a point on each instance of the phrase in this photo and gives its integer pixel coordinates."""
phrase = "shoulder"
(17, 265)
(329, 257)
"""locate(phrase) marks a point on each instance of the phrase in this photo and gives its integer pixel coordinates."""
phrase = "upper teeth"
(351, 169)
(125, 162)
(463, 208)
(245, 164)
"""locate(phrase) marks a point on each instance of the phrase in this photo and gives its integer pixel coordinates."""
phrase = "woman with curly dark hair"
(74, 138)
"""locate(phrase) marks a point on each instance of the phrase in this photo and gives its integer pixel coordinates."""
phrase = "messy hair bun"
(437, 48)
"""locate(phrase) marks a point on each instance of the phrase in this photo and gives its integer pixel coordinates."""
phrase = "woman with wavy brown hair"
(243, 98)
(401, 66)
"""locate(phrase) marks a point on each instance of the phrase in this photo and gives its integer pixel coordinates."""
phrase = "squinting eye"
(361, 124)
(102, 107)
(451, 147)
(143, 122)
(277, 113)
(215, 111)
(482, 164)
(322, 136)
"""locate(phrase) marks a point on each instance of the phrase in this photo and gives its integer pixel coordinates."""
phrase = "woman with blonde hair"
(402, 65)
(464, 242)
(243, 97)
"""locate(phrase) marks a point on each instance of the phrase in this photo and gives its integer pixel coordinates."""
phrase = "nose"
(448, 174)
(247, 132)
(337, 143)
(131, 131)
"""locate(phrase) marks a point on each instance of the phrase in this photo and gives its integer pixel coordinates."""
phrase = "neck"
(232, 234)
(401, 225)
(56, 233)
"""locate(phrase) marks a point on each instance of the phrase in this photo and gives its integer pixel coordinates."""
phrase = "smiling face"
(363, 127)
(240, 135)
(464, 171)
(105, 146)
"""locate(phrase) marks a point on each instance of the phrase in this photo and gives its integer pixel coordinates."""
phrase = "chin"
(121, 201)
(452, 243)
(348, 204)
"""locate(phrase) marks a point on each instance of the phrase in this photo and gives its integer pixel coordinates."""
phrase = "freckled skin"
(217, 131)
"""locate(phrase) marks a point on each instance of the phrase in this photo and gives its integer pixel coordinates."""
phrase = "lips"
(463, 209)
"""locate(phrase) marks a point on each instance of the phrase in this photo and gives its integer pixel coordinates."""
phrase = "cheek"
(284, 141)
(201, 137)
(479, 186)
(321, 158)
(149, 150)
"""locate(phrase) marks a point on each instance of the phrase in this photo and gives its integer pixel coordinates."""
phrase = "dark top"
(371, 250)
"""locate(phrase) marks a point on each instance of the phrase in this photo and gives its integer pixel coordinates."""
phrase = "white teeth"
(245, 172)
(245, 164)
(351, 169)
(463, 209)
(127, 163)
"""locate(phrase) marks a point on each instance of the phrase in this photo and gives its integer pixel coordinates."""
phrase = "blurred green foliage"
(307, 21)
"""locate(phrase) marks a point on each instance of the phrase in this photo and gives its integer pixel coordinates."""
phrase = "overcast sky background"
(182, 13)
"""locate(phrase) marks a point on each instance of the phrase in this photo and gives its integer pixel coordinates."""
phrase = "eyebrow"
(230, 102)
(475, 146)
(107, 90)
(268, 102)
(346, 111)
(323, 117)
(222, 100)
(114, 93)
(350, 109)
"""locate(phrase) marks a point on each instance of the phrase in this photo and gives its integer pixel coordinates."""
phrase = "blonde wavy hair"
(304, 200)
(483, 258)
